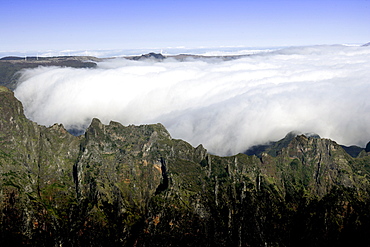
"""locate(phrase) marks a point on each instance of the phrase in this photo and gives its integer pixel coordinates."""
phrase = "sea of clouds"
(228, 106)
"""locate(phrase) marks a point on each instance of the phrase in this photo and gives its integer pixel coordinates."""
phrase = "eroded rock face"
(35, 171)
(136, 185)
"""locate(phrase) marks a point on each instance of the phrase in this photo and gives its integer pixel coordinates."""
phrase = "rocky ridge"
(136, 186)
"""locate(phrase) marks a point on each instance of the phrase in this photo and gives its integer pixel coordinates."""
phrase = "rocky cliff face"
(137, 186)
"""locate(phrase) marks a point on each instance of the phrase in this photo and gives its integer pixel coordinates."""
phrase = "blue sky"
(40, 25)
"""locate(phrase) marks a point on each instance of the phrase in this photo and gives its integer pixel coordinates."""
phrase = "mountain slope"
(136, 185)
(11, 66)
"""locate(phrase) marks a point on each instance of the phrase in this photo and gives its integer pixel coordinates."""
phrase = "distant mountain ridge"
(9, 66)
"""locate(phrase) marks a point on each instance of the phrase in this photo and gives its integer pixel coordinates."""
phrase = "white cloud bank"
(227, 106)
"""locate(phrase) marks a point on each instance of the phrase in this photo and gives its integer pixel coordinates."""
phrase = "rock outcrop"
(136, 186)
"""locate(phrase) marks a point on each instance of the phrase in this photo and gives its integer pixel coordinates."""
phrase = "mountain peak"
(274, 147)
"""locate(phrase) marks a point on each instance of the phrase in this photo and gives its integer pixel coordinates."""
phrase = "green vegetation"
(136, 186)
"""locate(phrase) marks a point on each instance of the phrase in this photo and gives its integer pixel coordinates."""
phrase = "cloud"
(227, 106)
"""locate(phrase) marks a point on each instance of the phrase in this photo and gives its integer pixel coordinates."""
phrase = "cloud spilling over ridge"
(227, 106)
